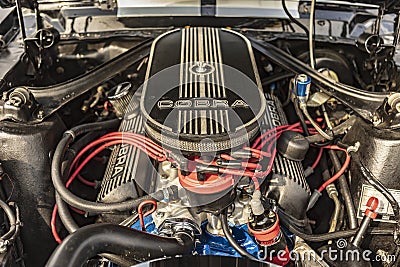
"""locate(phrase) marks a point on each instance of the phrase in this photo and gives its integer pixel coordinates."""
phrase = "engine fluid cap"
(121, 96)
(372, 205)
(202, 96)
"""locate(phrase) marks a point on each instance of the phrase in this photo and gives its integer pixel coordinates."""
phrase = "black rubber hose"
(332, 235)
(345, 191)
(71, 226)
(91, 240)
(63, 209)
(227, 232)
(77, 146)
(94, 126)
(75, 201)
(302, 223)
(292, 19)
(276, 78)
(65, 215)
(11, 219)
(301, 118)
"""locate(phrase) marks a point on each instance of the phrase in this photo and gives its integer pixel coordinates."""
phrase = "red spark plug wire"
(318, 159)
(109, 140)
(340, 172)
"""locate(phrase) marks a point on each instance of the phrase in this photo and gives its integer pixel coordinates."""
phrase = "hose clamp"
(71, 133)
(170, 193)
(353, 148)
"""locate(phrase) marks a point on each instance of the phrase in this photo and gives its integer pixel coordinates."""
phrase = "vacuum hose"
(91, 240)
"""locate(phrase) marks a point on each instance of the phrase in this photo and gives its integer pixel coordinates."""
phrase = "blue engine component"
(218, 245)
(214, 244)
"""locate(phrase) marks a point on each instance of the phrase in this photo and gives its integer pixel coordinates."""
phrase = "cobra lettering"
(201, 104)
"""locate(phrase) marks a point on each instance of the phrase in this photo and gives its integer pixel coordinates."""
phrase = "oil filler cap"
(121, 98)
(293, 145)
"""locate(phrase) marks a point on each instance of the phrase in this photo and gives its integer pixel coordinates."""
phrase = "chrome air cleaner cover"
(205, 96)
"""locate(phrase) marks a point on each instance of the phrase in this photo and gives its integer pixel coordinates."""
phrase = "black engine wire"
(292, 19)
(227, 232)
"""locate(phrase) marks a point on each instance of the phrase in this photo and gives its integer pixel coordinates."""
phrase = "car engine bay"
(202, 141)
